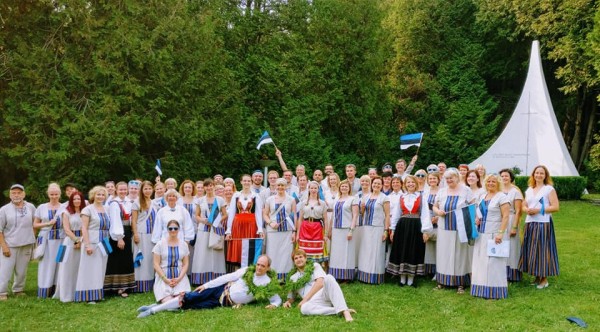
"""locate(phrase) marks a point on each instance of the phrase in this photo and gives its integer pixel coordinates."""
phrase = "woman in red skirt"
(312, 225)
(244, 222)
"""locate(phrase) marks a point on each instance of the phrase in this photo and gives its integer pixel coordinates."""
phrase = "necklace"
(294, 286)
(261, 292)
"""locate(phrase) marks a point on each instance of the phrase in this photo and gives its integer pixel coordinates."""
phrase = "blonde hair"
(94, 191)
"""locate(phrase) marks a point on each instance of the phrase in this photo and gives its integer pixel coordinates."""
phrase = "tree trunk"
(592, 106)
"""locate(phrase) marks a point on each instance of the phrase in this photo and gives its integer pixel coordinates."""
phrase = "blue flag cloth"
(465, 224)
(213, 212)
(543, 208)
(251, 250)
(137, 260)
(409, 140)
(321, 195)
(105, 247)
(60, 255)
(157, 167)
(264, 139)
(296, 197)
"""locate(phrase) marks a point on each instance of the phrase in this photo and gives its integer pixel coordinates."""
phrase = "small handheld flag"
(465, 223)
(62, 252)
(408, 140)
(251, 250)
(213, 212)
(137, 261)
(264, 139)
(157, 167)
(543, 208)
(104, 247)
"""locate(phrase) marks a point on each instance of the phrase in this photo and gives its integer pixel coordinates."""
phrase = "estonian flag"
(409, 140)
(264, 139)
(321, 195)
(63, 252)
(213, 212)
(543, 206)
(251, 250)
(465, 223)
(157, 167)
(137, 260)
(296, 197)
(105, 247)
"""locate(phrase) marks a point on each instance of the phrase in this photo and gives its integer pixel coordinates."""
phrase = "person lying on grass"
(246, 285)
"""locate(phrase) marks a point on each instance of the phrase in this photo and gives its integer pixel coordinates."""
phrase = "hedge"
(567, 187)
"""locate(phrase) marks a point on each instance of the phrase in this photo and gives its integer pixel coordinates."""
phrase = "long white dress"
(342, 260)
(279, 240)
(453, 258)
(51, 237)
(171, 262)
(512, 267)
(90, 277)
(210, 263)
(489, 273)
(371, 257)
(144, 269)
(430, 256)
(68, 268)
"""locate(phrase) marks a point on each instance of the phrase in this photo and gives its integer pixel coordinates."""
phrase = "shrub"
(567, 187)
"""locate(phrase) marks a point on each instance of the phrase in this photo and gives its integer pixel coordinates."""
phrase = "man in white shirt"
(257, 179)
(16, 241)
(229, 290)
(321, 294)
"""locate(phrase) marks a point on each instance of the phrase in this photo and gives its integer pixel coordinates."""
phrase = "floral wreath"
(294, 286)
(261, 292)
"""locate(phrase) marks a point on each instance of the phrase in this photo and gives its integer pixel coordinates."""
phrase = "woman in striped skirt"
(433, 180)
(143, 214)
(539, 255)
(489, 273)
(345, 216)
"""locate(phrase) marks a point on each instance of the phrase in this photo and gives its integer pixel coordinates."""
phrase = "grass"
(575, 292)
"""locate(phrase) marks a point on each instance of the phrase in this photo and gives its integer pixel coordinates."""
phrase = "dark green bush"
(567, 187)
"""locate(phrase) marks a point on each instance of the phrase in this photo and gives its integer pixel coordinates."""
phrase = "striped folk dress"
(371, 258)
(342, 258)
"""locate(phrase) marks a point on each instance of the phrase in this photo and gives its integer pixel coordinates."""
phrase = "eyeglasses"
(420, 175)
(172, 229)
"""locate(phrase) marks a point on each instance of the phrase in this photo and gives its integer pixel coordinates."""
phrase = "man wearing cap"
(16, 241)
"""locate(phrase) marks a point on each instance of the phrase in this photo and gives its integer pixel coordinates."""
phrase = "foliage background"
(98, 90)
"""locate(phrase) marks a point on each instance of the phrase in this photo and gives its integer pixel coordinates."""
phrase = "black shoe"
(401, 284)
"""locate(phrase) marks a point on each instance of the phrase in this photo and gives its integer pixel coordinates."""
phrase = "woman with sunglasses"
(171, 262)
(421, 176)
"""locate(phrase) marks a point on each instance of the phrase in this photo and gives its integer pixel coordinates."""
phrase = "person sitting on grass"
(321, 294)
(246, 285)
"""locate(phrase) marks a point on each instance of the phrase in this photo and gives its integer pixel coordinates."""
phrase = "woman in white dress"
(473, 181)
(279, 216)
(342, 258)
(489, 273)
(48, 220)
(211, 216)
(95, 229)
(188, 199)
(539, 255)
(173, 211)
(143, 215)
(376, 225)
(365, 190)
(171, 262)
(433, 181)
(453, 258)
(515, 198)
(69, 260)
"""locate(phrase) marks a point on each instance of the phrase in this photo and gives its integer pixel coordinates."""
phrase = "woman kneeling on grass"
(171, 262)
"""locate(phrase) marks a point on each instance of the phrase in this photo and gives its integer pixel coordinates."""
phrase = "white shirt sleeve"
(158, 226)
(116, 224)
(188, 226)
(222, 280)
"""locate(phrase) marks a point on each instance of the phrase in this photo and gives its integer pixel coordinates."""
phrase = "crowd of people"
(140, 236)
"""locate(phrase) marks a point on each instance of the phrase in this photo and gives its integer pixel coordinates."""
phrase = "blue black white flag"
(157, 167)
(408, 140)
(264, 139)
(465, 223)
(251, 250)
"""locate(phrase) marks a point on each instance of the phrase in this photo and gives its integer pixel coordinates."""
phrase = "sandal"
(461, 290)
(122, 293)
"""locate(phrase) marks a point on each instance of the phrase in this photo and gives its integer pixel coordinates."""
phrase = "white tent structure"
(532, 136)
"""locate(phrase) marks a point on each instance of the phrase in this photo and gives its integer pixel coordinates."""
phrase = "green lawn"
(575, 292)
